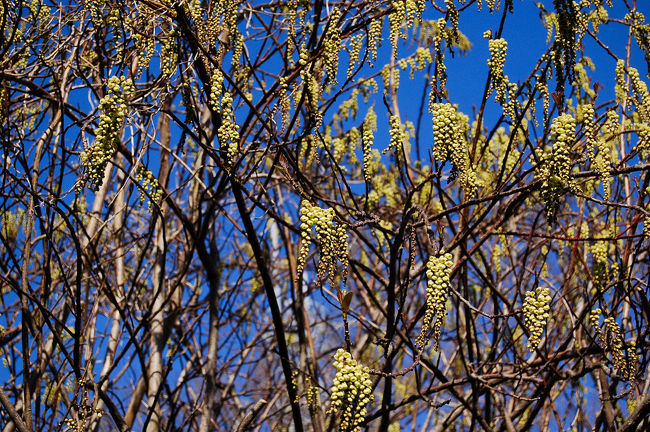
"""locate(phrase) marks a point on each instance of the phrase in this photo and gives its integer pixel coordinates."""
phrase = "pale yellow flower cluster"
(450, 142)
(216, 88)
(228, 132)
(610, 339)
(354, 49)
(438, 274)
(351, 391)
(113, 108)
(332, 45)
(374, 36)
(498, 49)
(397, 135)
(333, 239)
(555, 170)
(537, 310)
(149, 184)
(370, 155)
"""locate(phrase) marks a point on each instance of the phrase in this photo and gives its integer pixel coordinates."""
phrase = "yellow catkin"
(498, 49)
(292, 9)
(396, 20)
(216, 89)
(450, 143)
(554, 171)
(332, 45)
(641, 95)
(439, 77)
(332, 237)
(541, 85)
(621, 87)
(367, 140)
(390, 79)
(351, 392)
(311, 85)
(497, 253)
(596, 149)
(374, 38)
(113, 108)
(599, 265)
(537, 310)
(355, 48)
(438, 273)
(313, 398)
(397, 135)
(452, 14)
(285, 103)
(228, 133)
(169, 54)
(610, 339)
(150, 187)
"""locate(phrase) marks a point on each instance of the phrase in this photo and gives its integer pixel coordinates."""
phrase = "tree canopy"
(314, 216)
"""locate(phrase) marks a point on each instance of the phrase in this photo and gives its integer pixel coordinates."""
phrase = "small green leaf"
(345, 301)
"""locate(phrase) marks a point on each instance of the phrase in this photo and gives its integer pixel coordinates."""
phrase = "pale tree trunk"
(134, 404)
(24, 280)
(151, 381)
(210, 368)
(93, 226)
(608, 409)
(155, 366)
(13, 411)
(154, 372)
(120, 279)
(211, 261)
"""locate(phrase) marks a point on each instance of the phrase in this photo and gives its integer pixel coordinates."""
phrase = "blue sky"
(467, 73)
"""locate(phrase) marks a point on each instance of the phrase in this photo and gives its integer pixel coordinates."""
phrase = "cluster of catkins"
(150, 185)
(505, 90)
(332, 45)
(356, 43)
(555, 171)
(610, 339)
(395, 21)
(498, 49)
(370, 155)
(84, 411)
(333, 239)
(374, 36)
(449, 129)
(438, 274)
(639, 89)
(351, 391)
(228, 132)
(600, 253)
(169, 54)
(597, 149)
(397, 135)
(536, 313)
(113, 109)
(311, 83)
(216, 88)
(414, 9)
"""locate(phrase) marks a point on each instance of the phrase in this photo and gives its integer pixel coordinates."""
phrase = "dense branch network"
(226, 215)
